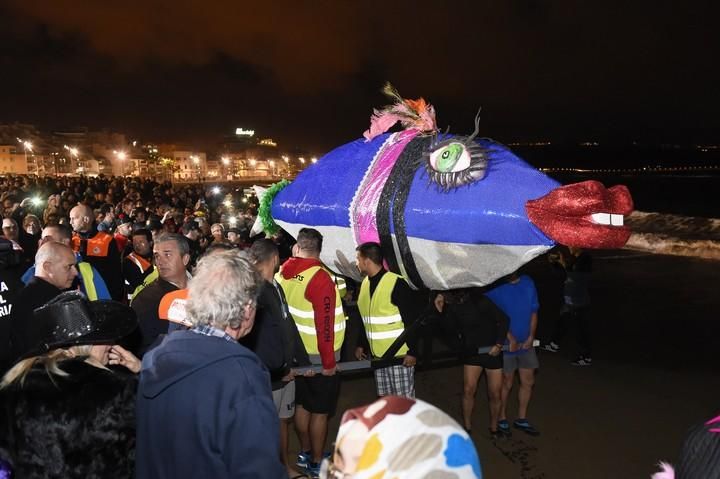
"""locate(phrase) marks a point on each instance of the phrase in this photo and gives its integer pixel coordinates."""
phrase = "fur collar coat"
(78, 426)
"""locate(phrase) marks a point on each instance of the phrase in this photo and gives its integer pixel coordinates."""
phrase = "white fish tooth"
(601, 218)
(617, 220)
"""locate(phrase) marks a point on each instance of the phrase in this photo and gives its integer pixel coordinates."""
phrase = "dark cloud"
(310, 72)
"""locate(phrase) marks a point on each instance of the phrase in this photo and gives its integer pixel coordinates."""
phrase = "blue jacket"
(204, 409)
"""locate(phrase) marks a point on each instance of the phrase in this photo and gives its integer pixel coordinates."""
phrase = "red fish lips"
(583, 215)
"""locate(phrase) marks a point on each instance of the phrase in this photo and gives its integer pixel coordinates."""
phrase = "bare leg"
(302, 427)
(507, 385)
(527, 381)
(471, 375)
(318, 435)
(284, 425)
(495, 387)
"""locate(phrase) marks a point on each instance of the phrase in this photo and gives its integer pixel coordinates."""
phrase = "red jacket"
(121, 242)
(321, 293)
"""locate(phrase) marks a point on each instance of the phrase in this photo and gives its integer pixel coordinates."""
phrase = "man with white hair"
(55, 271)
(204, 405)
(89, 281)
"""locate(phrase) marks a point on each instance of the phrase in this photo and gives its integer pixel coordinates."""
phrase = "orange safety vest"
(76, 242)
(139, 261)
(98, 245)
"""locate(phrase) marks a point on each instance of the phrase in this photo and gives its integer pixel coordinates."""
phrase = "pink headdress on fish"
(412, 114)
(700, 455)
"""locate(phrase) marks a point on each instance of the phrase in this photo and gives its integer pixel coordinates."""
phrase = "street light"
(122, 156)
(196, 160)
(225, 162)
(287, 164)
(55, 161)
(74, 152)
(27, 146)
(313, 159)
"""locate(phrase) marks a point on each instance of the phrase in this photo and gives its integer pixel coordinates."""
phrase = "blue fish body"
(468, 236)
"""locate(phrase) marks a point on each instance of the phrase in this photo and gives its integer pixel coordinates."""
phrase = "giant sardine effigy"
(449, 211)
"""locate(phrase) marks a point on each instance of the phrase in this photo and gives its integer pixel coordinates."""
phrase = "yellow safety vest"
(86, 273)
(340, 283)
(149, 279)
(382, 320)
(302, 312)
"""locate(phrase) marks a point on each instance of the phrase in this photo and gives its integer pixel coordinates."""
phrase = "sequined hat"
(70, 319)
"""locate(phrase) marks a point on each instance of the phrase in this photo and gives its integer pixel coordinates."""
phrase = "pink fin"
(667, 472)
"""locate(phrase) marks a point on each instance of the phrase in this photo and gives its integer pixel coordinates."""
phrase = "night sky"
(308, 73)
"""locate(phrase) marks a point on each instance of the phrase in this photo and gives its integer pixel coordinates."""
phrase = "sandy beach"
(656, 338)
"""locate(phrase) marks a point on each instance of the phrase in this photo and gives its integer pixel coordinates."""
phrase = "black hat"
(70, 319)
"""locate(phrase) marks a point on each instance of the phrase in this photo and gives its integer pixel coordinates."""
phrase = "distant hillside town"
(242, 154)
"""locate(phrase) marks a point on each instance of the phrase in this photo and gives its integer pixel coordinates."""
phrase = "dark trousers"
(574, 318)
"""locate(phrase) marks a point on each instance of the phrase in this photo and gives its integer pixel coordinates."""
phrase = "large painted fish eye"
(455, 162)
(450, 158)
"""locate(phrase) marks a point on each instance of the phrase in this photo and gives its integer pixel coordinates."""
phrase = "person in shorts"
(478, 323)
(517, 298)
(274, 338)
(314, 303)
(388, 308)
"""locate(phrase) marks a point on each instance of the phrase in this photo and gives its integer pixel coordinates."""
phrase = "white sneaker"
(581, 361)
(551, 347)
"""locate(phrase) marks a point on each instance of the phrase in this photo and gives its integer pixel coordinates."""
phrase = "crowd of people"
(145, 333)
